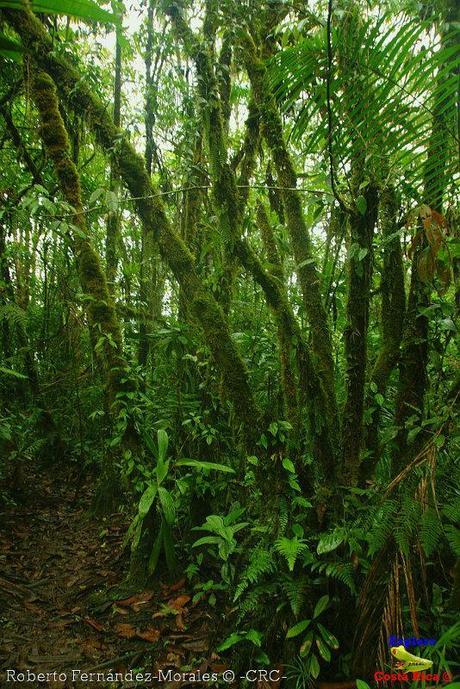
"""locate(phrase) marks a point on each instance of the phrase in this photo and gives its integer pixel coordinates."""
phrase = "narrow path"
(59, 612)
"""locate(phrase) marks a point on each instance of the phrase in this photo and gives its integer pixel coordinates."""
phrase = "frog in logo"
(407, 662)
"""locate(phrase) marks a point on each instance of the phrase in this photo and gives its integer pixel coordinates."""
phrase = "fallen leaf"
(178, 585)
(126, 631)
(179, 602)
(180, 622)
(120, 611)
(151, 635)
(174, 658)
(136, 599)
(197, 646)
(94, 624)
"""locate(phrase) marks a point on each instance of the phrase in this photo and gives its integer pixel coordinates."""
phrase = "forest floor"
(60, 604)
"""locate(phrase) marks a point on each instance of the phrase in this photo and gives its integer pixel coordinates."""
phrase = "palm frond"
(395, 98)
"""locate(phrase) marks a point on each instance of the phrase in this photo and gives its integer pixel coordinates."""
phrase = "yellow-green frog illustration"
(408, 662)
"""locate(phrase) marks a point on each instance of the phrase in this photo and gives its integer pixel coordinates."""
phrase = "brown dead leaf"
(62, 623)
(120, 611)
(167, 589)
(137, 599)
(179, 602)
(196, 646)
(126, 631)
(34, 608)
(92, 648)
(174, 658)
(180, 622)
(151, 635)
(218, 667)
(94, 624)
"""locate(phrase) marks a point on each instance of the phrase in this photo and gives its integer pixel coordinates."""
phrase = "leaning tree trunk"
(308, 275)
(152, 214)
(101, 311)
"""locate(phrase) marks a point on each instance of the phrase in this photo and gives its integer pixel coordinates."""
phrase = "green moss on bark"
(150, 210)
(287, 179)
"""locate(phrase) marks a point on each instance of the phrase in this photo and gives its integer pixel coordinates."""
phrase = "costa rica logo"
(407, 662)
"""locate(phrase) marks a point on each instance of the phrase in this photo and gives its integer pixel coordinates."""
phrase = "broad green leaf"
(254, 637)
(323, 649)
(163, 441)
(81, 9)
(328, 636)
(197, 464)
(314, 666)
(146, 501)
(207, 540)
(297, 629)
(230, 641)
(167, 504)
(306, 645)
(321, 606)
(162, 469)
(364, 685)
(288, 465)
(361, 204)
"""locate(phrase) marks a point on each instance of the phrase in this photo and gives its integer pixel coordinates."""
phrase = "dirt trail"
(59, 612)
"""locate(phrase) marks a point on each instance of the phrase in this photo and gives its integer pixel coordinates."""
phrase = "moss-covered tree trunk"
(308, 275)
(101, 311)
(113, 219)
(355, 335)
(150, 287)
(151, 211)
(392, 319)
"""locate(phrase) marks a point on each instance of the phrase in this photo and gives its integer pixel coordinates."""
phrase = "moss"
(392, 317)
(355, 334)
(101, 311)
(150, 210)
(308, 276)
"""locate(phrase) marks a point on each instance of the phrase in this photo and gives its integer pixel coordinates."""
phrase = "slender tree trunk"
(152, 214)
(287, 347)
(150, 296)
(355, 335)
(113, 219)
(306, 270)
(392, 319)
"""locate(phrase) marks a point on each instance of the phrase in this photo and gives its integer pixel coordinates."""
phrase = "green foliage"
(318, 639)
(290, 549)
(390, 113)
(157, 497)
(271, 531)
(88, 10)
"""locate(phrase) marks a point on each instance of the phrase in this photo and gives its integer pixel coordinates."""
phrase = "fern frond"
(290, 549)
(341, 571)
(430, 531)
(261, 562)
(14, 315)
(296, 591)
